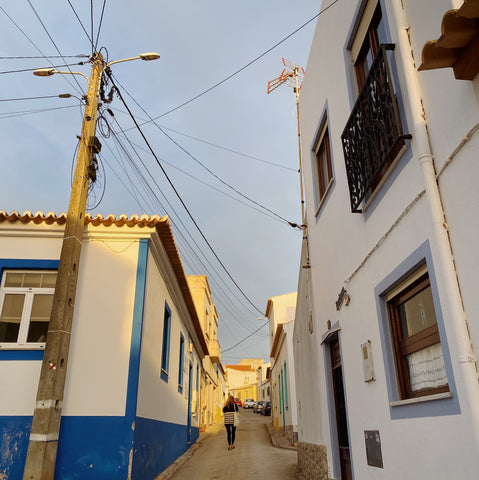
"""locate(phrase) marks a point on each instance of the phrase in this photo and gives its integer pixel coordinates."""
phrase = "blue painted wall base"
(158, 445)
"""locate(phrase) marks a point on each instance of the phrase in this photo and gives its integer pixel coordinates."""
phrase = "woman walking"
(229, 410)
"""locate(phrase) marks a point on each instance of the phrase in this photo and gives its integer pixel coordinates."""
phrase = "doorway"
(340, 409)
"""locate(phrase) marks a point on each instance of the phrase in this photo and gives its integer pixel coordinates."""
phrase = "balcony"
(373, 134)
(215, 352)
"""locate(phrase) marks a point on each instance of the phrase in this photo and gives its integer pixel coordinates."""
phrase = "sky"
(232, 141)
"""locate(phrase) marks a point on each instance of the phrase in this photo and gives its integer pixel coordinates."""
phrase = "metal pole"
(43, 443)
(304, 226)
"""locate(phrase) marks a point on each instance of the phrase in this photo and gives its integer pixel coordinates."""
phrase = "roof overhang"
(458, 45)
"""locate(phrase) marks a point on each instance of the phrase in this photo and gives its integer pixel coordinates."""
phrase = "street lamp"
(43, 443)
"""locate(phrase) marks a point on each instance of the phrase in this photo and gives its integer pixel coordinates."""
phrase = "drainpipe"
(463, 358)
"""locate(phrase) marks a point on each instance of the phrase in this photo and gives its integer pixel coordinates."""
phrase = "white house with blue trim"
(136, 349)
(386, 325)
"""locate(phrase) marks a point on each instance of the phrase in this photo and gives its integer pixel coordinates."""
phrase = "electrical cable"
(30, 112)
(209, 185)
(27, 98)
(204, 267)
(33, 69)
(292, 224)
(182, 201)
(226, 149)
(38, 49)
(259, 57)
(246, 338)
(84, 29)
(45, 56)
(51, 39)
(99, 26)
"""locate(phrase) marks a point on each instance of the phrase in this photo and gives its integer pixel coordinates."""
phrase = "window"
(373, 138)
(370, 35)
(417, 346)
(165, 352)
(323, 170)
(25, 306)
(285, 387)
(181, 361)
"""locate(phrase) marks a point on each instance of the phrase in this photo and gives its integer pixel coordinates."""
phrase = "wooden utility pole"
(42, 447)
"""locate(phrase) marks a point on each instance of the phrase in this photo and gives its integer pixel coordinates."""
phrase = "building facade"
(213, 383)
(136, 346)
(280, 314)
(387, 316)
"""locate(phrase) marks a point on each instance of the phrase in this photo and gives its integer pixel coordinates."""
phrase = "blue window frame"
(165, 353)
(181, 361)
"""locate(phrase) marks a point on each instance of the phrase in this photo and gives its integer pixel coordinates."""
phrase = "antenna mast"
(295, 75)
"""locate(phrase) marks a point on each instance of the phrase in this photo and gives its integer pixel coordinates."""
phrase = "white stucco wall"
(343, 251)
(157, 399)
(101, 330)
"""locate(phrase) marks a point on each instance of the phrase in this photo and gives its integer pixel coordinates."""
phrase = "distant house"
(386, 330)
(242, 379)
(136, 346)
(213, 380)
(280, 312)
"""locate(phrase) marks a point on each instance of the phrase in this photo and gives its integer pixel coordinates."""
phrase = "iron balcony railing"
(373, 132)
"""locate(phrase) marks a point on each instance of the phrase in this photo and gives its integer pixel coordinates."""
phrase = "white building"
(280, 314)
(135, 354)
(387, 315)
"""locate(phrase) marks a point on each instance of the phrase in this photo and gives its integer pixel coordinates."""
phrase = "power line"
(292, 224)
(45, 56)
(259, 57)
(226, 149)
(30, 112)
(27, 98)
(181, 237)
(33, 69)
(245, 338)
(78, 18)
(51, 39)
(37, 48)
(181, 200)
(99, 26)
(208, 185)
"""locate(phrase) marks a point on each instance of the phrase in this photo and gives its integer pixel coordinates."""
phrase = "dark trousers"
(231, 431)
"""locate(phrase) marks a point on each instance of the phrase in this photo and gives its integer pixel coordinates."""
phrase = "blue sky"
(201, 43)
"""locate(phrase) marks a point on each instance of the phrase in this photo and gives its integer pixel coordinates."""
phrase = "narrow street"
(253, 458)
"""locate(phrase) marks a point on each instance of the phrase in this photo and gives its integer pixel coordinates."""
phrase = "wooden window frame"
(322, 152)
(417, 342)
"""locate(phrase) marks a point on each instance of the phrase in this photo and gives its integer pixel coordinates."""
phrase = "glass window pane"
(40, 317)
(32, 279)
(13, 279)
(49, 280)
(10, 317)
(426, 368)
(41, 308)
(417, 313)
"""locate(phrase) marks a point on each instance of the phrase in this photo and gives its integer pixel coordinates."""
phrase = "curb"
(278, 439)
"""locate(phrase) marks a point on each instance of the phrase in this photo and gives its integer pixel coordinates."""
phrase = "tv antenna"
(294, 74)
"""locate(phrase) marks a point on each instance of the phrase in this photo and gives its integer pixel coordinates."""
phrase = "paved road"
(254, 457)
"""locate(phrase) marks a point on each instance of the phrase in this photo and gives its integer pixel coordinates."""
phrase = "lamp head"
(149, 56)
(44, 72)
